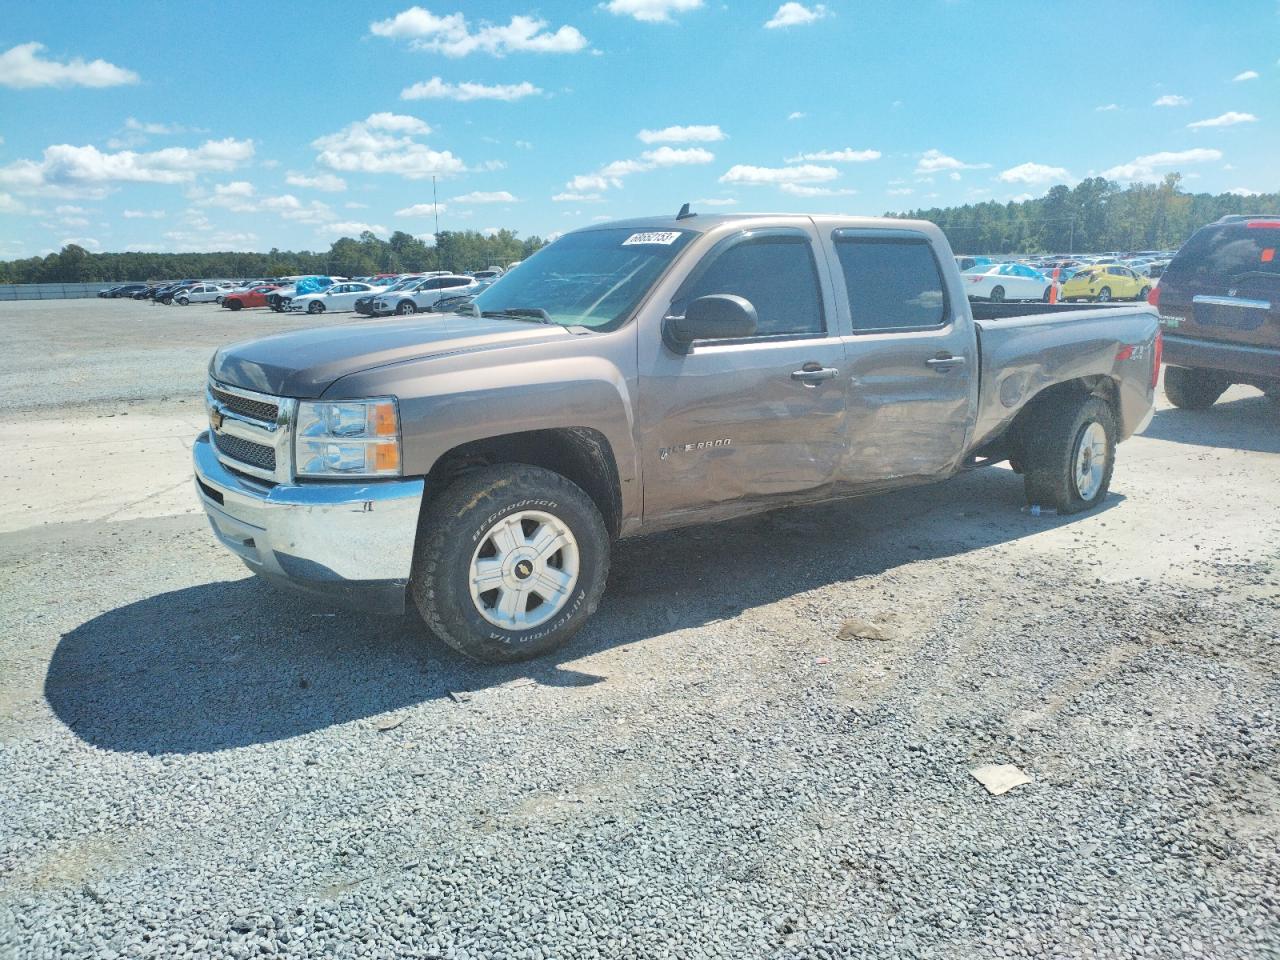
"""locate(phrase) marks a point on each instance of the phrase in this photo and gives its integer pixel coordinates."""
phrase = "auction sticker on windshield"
(664, 238)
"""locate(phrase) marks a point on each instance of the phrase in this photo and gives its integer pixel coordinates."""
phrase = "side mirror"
(720, 316)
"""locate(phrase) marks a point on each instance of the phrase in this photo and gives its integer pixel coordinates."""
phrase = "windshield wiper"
(520, 313)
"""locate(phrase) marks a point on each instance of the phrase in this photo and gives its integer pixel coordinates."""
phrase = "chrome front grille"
(257, 409)
(246, 451)
(252, 432)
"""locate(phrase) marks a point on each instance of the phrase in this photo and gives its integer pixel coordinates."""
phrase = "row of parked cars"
(1100, 279)
(372, 296)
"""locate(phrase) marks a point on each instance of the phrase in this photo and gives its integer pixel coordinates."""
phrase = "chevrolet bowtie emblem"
(215, 418)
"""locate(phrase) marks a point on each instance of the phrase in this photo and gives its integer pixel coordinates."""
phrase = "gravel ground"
(196, 765)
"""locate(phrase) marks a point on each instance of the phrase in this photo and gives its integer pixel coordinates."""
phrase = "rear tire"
(1143, 293)
(1104, 295)
(997, 295)
(405, 307)
(233, 304)
(315, 306)
(1069, 454)
(184, 301)
(1191, 389)
(484, 528)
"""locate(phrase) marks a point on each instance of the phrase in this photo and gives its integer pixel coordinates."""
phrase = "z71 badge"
(664, 452)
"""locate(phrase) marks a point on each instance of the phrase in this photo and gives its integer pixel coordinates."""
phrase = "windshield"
(594, 278)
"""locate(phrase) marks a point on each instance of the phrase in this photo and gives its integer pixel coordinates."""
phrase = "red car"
(255, 297)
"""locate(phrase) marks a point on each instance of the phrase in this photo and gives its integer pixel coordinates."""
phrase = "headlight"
(348, 438)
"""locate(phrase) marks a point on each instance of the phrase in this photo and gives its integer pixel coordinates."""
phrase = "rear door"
(1224, 285)
(912, 357)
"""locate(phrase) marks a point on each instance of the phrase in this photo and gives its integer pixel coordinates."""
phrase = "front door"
(732, 423)
(911, 357)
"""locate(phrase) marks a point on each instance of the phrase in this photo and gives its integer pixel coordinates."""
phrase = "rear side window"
(1237, 254)
(454, 282)
(777, 275)
(893, 285)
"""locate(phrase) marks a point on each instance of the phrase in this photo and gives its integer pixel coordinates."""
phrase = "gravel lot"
(194, 765)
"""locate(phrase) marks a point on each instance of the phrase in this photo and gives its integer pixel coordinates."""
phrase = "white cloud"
(757, 176)
(696, 134)
(350, 228)
(1228, 119)
(290, 207)
(1246, 75)
(236, 188)
(796, 115)
(89, 243)
(569, 197)
(715, 202)
(651, 11)
(587, 183)
(1034, 173)
(800, 190)
(1107, 107)
(847, 155)
(1151, 165)
(422, 210)
(933, 161)
(481, 196)
(355, 205)
(900, 192)
(22, 67)
(524, 144)
(453, 36)
(1244, 192)
(793, 14)
(437, 89)
(674, 157)
(383, 143)
(65, 165)
(321, 181)
(1170, 100)
(143, 214)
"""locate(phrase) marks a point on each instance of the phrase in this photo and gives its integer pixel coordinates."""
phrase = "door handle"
(813, 373)
(943, 364)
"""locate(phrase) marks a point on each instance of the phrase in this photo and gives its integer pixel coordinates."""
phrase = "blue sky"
(168, 126)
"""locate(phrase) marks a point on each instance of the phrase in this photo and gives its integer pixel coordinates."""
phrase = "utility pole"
(435, 208)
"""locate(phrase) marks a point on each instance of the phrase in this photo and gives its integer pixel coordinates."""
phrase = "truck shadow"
(1248, 423)
(233, 663)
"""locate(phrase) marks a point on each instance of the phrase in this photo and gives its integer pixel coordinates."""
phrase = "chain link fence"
(51, 291)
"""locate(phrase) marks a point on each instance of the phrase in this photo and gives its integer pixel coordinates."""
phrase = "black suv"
(1219, 302)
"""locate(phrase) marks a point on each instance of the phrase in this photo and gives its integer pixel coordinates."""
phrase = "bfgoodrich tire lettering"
(1052, 449)
(455, 524)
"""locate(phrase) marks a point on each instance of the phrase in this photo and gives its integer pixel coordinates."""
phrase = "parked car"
(364, 305)
(166, 294)
(422, 295)
(122, 290)
(969, 263)
(254, 297)
(1104, 283)
(1006, 281)
(201, 293)
(339, 297)
(1219, 302)
(459, 302)
(278, 300)
(638, 376)
(493, 273)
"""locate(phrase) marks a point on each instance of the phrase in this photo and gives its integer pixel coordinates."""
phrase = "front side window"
(893, 285)
(776, 274)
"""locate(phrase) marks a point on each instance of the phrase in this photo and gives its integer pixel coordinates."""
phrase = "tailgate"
(1225, 286)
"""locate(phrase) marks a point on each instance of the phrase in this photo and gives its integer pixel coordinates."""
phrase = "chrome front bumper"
(351, 542)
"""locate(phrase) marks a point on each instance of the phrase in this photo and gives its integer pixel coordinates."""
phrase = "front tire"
(1191, 389)
(405, 307)
(1143, 293)
(1069, 454)
(511, 561)
(315, 306)
(233, 305)
(184, 301)
(1104, 295)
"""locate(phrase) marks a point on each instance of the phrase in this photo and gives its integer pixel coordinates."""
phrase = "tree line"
(363, 256)
(1095, 216)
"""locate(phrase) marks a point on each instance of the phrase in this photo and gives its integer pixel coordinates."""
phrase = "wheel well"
(1008, 445)
(579, 454)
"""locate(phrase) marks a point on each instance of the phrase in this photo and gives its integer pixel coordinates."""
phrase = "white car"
(340, 296)
(999, 282)
(202, 293)
(415, 299)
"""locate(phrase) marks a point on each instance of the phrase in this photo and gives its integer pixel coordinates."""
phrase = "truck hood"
(304, 363)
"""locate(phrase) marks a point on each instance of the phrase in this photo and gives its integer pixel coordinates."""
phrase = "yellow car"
(1106, 282)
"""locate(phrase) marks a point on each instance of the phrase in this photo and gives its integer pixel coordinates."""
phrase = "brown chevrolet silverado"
(638, 376)
(1219, 302)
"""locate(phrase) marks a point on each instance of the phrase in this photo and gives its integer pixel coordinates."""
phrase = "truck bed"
(1023, 353)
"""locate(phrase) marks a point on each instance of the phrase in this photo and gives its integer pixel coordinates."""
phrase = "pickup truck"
(638, 376)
